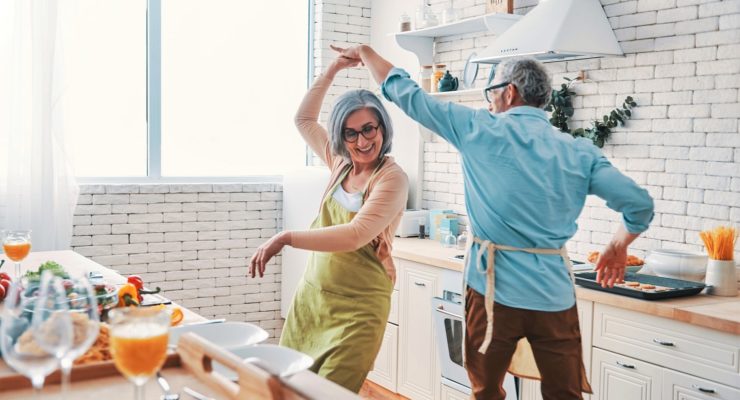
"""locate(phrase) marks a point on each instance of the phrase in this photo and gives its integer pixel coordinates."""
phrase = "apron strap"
(491, 279)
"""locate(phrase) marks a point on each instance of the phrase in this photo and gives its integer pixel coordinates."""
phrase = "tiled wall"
(682, 66)
(192, 240)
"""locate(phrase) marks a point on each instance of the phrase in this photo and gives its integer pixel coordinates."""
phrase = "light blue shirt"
(525, 185)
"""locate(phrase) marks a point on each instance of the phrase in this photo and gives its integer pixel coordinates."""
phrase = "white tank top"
(351, 201)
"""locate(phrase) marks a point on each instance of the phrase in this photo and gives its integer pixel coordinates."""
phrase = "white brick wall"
(192, 240)
(682, 65)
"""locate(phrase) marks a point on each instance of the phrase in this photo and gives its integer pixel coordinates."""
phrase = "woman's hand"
(266, 251)
(341, 63)
(350, 53)
(611, 264)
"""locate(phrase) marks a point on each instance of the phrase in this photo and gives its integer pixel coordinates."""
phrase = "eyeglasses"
(368, 132)
(490, 89)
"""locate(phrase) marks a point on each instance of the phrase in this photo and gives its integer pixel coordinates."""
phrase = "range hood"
(556, 30)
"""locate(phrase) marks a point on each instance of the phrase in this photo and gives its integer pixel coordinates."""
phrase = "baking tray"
(676, 287)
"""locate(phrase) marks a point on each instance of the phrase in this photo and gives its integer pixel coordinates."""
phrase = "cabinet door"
(418, 371)
(678, 386)
(385, 371)
(616, 377)
(448, 393)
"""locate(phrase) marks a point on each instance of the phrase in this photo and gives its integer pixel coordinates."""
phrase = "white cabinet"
(638, 356)
(678, 386)
(385, 371)
(617, 377)
(448, 393)
(531, 389)
(418, 368)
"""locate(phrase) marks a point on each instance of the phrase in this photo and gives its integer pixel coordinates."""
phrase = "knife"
(194, 394)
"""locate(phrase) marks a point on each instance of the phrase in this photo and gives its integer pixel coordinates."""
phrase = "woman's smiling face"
(360, 124)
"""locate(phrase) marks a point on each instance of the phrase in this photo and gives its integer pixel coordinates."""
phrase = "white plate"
(470, 72)
(226, 334)
(282, 360)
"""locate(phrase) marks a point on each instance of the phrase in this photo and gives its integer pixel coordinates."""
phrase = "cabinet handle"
(663, 343)
(623, 365)
(443, 311)
(702, 389)
(420, 284)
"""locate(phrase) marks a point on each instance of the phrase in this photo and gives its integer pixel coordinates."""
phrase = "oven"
(448, 324)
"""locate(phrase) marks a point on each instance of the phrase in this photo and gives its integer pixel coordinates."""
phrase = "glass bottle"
(462, 239)
(405, 22)
(426, 78)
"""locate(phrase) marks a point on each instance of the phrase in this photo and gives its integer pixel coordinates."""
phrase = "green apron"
(341, 306)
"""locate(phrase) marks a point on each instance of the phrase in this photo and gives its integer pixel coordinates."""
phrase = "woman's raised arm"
(307, 117)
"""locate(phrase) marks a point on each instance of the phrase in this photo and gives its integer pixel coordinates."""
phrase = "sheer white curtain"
(37, 187)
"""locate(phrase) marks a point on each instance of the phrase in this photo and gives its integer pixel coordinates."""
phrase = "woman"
(341, 305)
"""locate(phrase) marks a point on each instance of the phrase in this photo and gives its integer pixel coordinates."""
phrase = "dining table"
(101, 381)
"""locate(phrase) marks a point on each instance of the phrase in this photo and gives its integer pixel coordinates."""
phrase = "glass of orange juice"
(17, 245)
(138, 342)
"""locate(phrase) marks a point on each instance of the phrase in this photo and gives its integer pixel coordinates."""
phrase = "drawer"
(617, 377)
(393, 315)
(680, 346)
(680, 386)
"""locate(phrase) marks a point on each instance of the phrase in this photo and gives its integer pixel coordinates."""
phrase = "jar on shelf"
(426, 78)
(405, 21)
(462, 239)
(439, 72)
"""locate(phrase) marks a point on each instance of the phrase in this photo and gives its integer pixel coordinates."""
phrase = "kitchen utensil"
(228, 334)
(277, 360)
(470, 72)
(677, 264)
(677, 287)
(168, 395)
(448, 83)
(721, 278)
(194, 394)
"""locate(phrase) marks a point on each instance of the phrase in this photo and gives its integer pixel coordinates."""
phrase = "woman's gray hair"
(530, 78)
(350, 102)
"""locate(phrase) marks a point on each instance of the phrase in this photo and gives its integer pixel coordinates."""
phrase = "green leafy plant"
(561, 106)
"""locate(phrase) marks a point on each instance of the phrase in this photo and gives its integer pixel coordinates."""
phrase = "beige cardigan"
(383, 202)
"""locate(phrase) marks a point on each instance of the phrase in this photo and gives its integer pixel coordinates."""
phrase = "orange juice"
(138, 355)
(17, 251)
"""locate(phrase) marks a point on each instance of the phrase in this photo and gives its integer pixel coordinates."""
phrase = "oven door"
(448, 324)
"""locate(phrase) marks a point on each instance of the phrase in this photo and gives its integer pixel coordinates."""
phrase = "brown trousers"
(555, 338)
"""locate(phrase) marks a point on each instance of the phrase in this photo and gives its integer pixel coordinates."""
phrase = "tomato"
(2, 292)
(5, 283)
(136, 281)
(3, 275)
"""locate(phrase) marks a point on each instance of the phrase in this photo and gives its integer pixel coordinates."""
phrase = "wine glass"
(18, 337)
(75, 298)
(138, 340)
(17, 245)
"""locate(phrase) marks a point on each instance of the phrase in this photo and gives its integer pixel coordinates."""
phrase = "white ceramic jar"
(678, 264)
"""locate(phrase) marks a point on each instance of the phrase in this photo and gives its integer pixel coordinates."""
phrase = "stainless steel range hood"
(556, 30)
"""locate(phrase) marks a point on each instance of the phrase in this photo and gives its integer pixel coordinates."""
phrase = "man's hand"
(351, 53)
(265, 252)
(341, 63)
(611, 264)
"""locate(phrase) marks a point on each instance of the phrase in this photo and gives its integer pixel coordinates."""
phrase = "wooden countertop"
(714, 312)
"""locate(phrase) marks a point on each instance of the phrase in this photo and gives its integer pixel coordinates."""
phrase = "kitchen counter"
(714, 312)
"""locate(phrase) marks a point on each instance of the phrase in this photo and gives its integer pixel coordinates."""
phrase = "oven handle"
(442, 310)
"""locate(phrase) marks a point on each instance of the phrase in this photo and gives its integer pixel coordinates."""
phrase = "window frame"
(154, 111)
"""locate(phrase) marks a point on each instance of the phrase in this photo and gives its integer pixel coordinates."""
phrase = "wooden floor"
(375, 392)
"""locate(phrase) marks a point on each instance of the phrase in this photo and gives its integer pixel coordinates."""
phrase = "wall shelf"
(420, 41)
(460, 93)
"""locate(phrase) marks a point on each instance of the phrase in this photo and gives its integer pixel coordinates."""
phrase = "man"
(525, 185)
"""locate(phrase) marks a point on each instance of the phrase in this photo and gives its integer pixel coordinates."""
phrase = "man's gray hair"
(530, 78)
(350, 102)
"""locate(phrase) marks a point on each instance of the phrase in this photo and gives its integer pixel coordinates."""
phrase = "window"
(222, 91)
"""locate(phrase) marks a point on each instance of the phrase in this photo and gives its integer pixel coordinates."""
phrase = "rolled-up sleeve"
(447, 119)
(622, 194)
